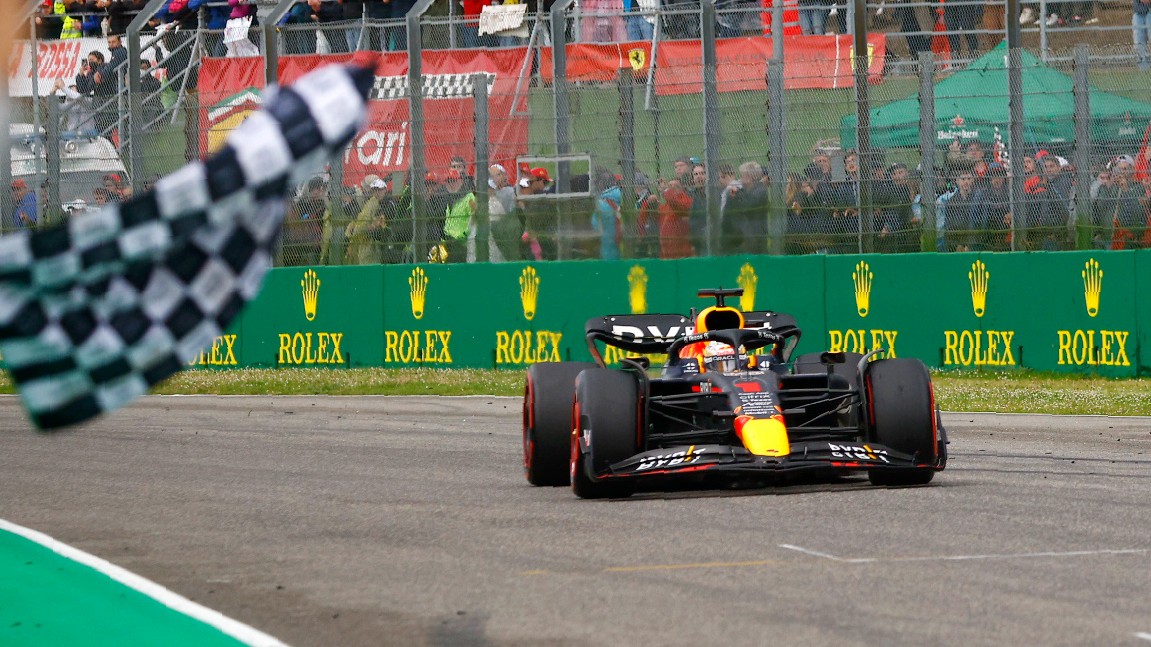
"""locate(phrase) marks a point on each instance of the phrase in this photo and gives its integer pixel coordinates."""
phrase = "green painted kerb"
(47, 599)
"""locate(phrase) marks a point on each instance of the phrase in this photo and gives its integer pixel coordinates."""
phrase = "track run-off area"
(407, 521)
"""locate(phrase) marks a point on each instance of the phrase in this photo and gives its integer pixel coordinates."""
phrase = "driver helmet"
(721, 358)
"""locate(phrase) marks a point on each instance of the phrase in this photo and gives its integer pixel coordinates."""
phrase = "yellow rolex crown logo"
(418, 282)
(637, 289)
(862, 276)
(748, 281)
(978, 277)
(529, 291)
(1092, 286)
(310, 289)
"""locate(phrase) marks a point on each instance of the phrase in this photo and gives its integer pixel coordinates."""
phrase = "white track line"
(234, 628)
(934, 558)
(1144, 635)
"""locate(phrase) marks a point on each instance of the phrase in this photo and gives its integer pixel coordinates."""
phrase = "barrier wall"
(1067, 311)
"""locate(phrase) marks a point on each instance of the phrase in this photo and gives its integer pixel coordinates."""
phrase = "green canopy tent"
(971, 103)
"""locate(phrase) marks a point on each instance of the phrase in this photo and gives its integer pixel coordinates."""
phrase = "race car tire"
(902, 415)
(547, 414)
(607, 414)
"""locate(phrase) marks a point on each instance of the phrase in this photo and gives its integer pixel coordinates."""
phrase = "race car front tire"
(607, 417)
(547, 415)
(903, 417)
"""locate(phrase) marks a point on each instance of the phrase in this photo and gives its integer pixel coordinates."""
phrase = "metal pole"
(52, 160)
(777, 157)
(626, 84)
(418, 165)
(863, 128)
(930, 233)
(1081, 154)
(711, 135)
(135, 93)
(483, 216)
(1015, 124)
(271, 43)
(560, 92)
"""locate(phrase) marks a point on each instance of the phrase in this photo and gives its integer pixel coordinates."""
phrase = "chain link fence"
(672, 131)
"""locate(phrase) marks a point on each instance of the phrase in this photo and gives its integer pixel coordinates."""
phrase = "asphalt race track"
(407, 521)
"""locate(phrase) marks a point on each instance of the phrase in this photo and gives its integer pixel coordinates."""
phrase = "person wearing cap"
(366, 234)
(460, 212)
(24, 206)
(896, 223)
(1048, 207)
(506, 221)
(744, 212)
(958, 221)
(994, 204)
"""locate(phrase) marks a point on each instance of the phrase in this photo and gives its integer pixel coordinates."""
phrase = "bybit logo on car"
(1093, 347)
(418, 346)
(301, 348)
(978, 347)
(528, 346)
(862, 340)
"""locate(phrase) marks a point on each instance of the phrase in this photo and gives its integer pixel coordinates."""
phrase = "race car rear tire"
(547, 415)
(607, 414)
(902, 416)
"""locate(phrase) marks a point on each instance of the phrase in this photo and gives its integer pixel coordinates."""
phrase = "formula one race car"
(729, 404)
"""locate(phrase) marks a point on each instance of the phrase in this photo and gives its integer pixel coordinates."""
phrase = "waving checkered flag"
(95, 312)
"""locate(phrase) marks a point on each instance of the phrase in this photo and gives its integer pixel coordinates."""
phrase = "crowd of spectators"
(973, 211)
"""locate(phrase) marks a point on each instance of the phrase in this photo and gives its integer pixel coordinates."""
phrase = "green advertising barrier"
(317, 316)
(1064, 311)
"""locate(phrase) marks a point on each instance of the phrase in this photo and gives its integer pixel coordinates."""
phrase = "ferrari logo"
(418, 283)
(748, 281)
(1092, 286)
(637, 289)
(978, 277)
(310, 290)
(862, 276)
(870, 56)
(637, 58)
(529, 291)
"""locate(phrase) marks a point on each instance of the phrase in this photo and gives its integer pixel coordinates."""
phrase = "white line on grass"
(234, 628)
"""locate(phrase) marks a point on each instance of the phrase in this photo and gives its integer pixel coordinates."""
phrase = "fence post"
(863, 126)
(711, 135)
(417, 165)
(929, 240)
(560, 92)
(1015, 129)
(626, 83)
(1081, 154)
(776, 139)
(483, 216)
(271, 43)
(135, 94)
(52, 161)
(777, 157)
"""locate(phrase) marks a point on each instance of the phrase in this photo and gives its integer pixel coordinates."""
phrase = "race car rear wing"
(654, 333)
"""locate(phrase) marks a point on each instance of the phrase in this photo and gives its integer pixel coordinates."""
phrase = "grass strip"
(1001, 392)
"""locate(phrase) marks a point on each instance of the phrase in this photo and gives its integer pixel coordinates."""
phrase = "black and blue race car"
(730, 405)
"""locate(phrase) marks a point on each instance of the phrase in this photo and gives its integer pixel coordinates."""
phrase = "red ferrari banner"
(227, 95)
(809, 62)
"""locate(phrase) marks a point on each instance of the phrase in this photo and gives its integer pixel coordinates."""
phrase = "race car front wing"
(810, 455)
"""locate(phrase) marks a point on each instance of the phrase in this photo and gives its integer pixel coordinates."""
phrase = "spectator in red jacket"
(675, 222)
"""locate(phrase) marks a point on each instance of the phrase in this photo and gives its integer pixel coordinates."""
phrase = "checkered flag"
(95, 312)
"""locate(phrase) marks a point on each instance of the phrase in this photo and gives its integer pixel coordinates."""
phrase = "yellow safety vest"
(71, 28)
